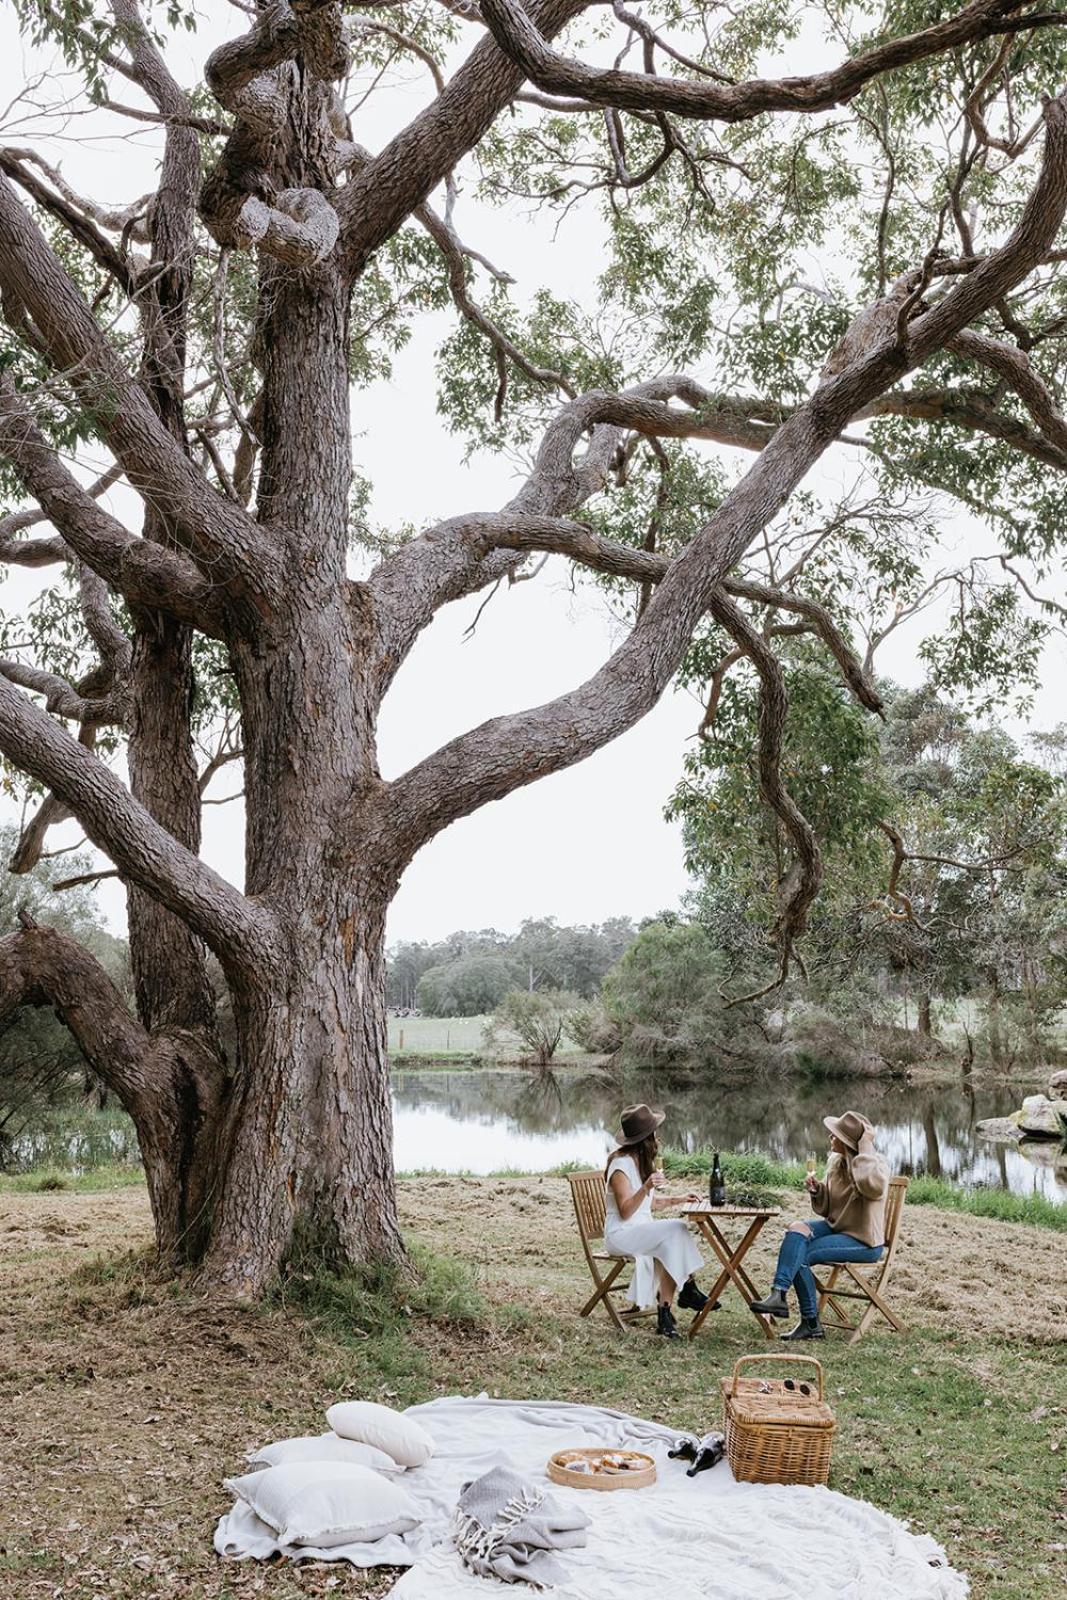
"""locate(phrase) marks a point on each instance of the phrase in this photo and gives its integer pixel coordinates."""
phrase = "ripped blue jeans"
(800, 1252)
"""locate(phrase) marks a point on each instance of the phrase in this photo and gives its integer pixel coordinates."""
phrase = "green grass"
(110, 1175)
(1034, 1209)
(751, 1178)
(457, 1041)
(959, 1430)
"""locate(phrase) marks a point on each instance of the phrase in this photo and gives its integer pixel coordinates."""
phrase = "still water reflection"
(485, 1121)
(482, 1121)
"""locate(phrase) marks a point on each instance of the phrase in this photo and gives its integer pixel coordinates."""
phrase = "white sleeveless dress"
(647, 1239)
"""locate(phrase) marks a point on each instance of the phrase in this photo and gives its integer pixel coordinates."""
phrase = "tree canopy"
(817, 317)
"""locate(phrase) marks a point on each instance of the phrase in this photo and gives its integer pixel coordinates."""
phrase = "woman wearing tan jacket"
(850, 1225)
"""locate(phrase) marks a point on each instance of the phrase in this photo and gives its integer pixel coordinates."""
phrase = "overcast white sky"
(584, 845)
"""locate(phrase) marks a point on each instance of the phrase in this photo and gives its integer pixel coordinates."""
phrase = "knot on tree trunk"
(277, 81)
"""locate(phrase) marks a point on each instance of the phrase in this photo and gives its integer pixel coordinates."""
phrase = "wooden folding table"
(707, 1220)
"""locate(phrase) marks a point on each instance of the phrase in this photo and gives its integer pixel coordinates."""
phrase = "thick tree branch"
(1011, 364)
(82, 228)
(503, 754)
(457, 557)
(143, 572)
(62, 698)
(220, 537)
(242, 933)
(384, 193)
(517, 33)
(973, 411)
(241, 207)
(41, 966)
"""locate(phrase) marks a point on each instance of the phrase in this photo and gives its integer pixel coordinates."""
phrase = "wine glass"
(811, 1164)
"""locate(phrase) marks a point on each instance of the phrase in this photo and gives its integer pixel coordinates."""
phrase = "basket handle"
(807, 1361)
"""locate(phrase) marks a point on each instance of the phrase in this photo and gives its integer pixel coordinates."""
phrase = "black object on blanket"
(703, 1453)
(507, 1528)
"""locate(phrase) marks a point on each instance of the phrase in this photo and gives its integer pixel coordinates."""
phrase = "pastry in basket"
(602, 1469)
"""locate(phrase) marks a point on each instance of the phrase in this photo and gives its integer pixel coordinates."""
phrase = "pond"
(486, 1121)
(483, 1121)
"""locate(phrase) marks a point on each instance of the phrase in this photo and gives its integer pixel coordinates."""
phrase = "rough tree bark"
(288, 1148)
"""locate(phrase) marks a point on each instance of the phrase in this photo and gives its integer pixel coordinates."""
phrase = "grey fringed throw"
(507, 1528)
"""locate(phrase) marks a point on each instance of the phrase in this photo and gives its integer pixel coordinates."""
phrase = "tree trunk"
(933, 1148)
(310, 1138)
(923, 1023)
(996, 1043)
(310, 1168)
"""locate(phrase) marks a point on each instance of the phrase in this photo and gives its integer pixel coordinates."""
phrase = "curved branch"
(41, 966)
(456, 558)
(381, 195)
(298, 226)
(62, 698)
(144, 572)
(823, 624)
(501, 755)
(800, 885)
(517, 34)
(223, 540)
(1011, 364)
(974, 411)
(241, 932)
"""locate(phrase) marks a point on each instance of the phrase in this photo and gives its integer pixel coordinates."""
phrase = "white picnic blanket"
(706, 1536)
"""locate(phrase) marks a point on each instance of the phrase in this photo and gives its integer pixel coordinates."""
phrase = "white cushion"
(326, 1447)
(386, 1430)
(326, 1503)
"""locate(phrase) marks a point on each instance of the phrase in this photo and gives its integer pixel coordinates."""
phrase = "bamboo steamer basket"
(776, 1437)
(561, 1469)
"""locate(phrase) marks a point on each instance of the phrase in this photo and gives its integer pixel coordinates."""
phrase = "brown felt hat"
(849, 1129)
(637, 1123)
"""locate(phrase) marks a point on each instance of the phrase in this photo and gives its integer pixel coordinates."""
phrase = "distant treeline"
(468, 973)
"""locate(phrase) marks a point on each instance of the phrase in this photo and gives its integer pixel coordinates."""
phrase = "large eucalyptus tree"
(209, 339)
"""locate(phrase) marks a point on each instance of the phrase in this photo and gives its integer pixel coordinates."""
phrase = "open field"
(442, 1037)
(125, 1402)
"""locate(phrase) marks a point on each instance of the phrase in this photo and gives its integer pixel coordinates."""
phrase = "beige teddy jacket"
(852, 1196)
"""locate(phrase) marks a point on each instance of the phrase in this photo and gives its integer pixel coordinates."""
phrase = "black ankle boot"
(692, 1298)
(665, 1323)
(775, 1305)
(807, 1328)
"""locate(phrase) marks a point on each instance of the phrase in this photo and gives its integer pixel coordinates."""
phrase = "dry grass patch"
(123, 1403)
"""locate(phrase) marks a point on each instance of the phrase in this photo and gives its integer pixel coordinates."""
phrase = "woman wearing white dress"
(664, 1251)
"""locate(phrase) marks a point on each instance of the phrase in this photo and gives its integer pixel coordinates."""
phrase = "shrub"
(593, 1030)
(538, 1018)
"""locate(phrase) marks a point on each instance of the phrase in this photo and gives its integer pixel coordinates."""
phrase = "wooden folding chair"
(868, 1284)
(587, 1192)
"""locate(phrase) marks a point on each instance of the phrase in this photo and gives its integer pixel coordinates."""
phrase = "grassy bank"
(750, 1177)
(126, 1401)
(757, 1171)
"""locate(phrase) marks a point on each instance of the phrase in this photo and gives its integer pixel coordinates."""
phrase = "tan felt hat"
(849, 1128)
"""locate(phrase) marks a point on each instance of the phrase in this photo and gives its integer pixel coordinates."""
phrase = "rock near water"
(1041, 1117)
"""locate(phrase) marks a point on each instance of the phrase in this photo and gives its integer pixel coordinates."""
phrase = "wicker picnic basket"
(775, 1434)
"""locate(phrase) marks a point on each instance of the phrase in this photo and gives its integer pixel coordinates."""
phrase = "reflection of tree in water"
(928, 1129)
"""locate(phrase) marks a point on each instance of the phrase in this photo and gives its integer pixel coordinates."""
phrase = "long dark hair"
(644, 1154)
